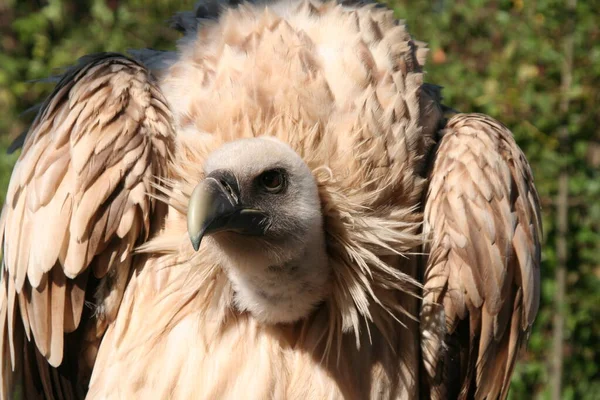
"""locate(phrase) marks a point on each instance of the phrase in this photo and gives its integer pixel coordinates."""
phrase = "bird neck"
(280, 291)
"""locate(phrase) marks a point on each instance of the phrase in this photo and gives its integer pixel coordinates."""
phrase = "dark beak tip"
(196, 240)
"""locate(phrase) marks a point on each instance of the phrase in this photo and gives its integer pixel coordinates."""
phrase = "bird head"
(258, 210)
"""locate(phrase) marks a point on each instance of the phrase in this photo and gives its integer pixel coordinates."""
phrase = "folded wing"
(482, 275)
(77, 204)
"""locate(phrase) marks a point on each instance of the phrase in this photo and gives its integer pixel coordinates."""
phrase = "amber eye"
(272, 180)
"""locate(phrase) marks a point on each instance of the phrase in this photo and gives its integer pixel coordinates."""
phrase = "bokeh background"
(534, 65)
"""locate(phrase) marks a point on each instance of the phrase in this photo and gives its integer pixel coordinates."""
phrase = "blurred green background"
(534, 65)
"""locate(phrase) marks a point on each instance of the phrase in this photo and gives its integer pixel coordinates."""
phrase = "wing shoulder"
(482, 218)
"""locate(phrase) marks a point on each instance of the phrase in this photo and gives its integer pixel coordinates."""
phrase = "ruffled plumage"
(343, 86)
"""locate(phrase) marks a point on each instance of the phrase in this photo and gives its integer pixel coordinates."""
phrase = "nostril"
(227, 182)
(226, 186)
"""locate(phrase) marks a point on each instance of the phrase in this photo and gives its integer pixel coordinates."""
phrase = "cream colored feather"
(114, 156)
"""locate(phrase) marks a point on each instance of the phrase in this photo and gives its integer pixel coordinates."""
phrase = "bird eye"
(272, 180)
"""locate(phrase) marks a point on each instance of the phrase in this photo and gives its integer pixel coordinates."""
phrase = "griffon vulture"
(281, 209)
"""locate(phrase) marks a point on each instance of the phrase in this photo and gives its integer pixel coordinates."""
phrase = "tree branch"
(562, 205)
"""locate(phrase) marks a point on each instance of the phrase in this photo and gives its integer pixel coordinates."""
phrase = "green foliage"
(502, 58)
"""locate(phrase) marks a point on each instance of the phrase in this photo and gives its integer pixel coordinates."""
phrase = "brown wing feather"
(78, 193)
(482, 217)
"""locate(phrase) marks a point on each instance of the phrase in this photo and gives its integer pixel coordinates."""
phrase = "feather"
(23, 310)
(39, 313)
(11, 318)
(75, 301)
(57, 281)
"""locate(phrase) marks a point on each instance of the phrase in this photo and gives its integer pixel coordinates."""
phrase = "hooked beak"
(214, 206)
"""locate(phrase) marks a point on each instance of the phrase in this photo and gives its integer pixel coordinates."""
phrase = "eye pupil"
(272, 180)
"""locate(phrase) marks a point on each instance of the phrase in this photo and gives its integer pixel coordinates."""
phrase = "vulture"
(281, 208)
